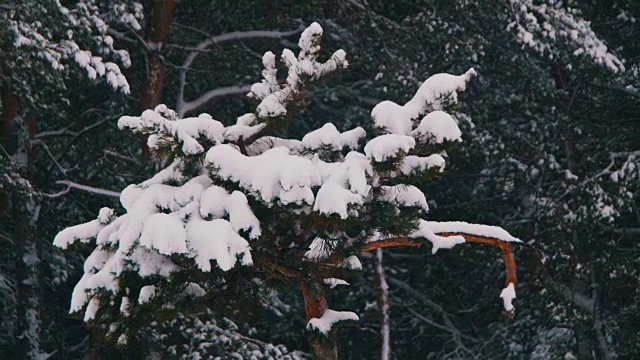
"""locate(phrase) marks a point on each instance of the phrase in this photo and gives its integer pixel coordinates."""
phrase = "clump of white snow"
(461, 227)
(507, 295)
(333, 282)
(275, 174)
(389, 146)
(329, 319)
(439, 125)
(147, 293)
(329, 136)
(433, 95)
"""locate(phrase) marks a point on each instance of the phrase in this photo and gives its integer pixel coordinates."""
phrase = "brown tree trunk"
(315, 302)
(152, 91)
(9, 112)
(151, 95)
(160, 24)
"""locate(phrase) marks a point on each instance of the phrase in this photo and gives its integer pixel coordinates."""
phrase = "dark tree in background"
(550, 131)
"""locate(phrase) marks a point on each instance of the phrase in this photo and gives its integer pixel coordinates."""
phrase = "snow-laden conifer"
(240, 201)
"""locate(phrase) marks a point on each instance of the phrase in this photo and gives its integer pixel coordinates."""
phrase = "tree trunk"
(10, 111)
(383, 304)
(160, 24)
(25, 216)
(151, 95)
(152, 91)
(583, 340)
(315, 302)
(27, 279)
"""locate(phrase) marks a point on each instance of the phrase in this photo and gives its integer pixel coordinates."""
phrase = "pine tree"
(239, 204)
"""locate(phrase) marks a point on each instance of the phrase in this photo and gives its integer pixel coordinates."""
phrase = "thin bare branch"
(90, 189)
(183, 107)
(186, 107)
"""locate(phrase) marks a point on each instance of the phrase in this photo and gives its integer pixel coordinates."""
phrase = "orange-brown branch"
(315, 300)
(505, 248)
(268, 264)
(392, 242)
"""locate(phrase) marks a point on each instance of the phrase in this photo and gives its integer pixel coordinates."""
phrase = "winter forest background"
(548, 149)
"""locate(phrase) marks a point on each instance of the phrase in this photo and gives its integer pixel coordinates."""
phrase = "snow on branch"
(449, 234)
(84, 232)
(433, 95)
(301, 69)
(89, 189)
(163, 125)
(330, 319)
(461, 227)
(540, 26)
(47, 32)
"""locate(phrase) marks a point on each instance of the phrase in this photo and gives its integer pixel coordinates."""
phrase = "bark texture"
(160, 24)
(315, 302)
(17, 134)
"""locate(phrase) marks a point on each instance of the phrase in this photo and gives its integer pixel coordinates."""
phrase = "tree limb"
(182, 108)
(505, 248)
(90, 189)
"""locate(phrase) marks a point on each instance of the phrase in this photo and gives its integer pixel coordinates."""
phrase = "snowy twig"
(626, 90)
(58, 194)
(120, 35)
(61, 132)
(90, 189)
(120, 156)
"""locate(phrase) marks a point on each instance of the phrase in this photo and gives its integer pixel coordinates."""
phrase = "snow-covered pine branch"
(262, 201)
(71, 37)
(540, 26)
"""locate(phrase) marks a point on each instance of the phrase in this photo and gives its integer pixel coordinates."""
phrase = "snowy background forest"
(353, 179)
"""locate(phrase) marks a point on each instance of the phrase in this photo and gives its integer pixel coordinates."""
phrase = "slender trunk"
(315, 302)
(151, 95)
(383, 304)
(604, 350)
(152, 91)
(583, 340)
(25, 216)
(160, 24)
(27, 280)
(9, 112)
